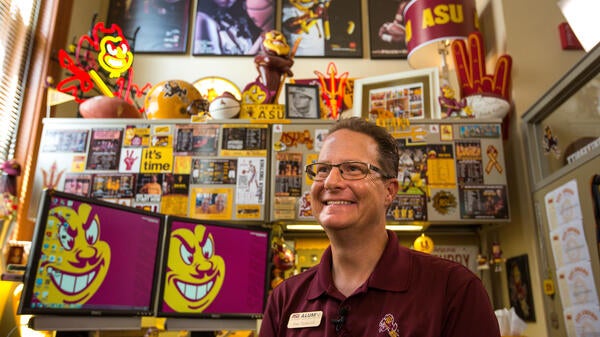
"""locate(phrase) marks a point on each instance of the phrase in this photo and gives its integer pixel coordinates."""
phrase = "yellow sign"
(248, 211)
(157, 160)
(56, 97)
(266, 113)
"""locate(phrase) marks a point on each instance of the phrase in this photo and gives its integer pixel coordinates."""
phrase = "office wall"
(526, 30)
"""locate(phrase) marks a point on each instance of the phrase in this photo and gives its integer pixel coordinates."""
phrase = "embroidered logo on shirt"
(388, 324)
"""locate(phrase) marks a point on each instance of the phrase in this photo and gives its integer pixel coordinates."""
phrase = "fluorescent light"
(582, 17)
(303, 227)
(313, 227)
(405, 228)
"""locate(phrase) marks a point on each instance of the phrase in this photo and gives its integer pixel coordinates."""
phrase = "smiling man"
(366, 283)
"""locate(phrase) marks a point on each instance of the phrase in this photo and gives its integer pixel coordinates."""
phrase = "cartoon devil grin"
(195, 272)
(72, 283)
(74, 234)
(194, 292)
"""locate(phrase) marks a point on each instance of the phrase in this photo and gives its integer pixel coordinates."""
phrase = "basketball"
(224, 107)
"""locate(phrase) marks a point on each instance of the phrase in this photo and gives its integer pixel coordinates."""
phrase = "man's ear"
(392, 187)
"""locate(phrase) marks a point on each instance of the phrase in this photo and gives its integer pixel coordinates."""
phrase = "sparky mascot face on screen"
(195, 273)
(75, 258)
(115, 55)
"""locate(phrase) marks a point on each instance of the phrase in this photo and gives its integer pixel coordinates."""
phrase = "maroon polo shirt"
(409, 294)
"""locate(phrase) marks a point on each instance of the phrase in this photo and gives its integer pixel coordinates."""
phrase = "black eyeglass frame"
(312, 175)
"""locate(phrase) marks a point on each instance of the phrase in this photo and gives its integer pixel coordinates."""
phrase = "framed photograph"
(410, 94)
(158, 27)
(231, 27)
(519, 287)
(301, 101)
(386, 29)
(15, 255)
(323, 28)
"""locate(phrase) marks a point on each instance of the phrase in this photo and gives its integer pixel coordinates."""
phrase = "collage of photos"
(404, 101)
(222, 172)
(174, 169)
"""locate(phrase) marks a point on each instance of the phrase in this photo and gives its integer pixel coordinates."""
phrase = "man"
(152, 187)
(219, 205)
(366, 283)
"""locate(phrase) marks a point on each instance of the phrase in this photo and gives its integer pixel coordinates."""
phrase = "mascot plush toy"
(273, 63)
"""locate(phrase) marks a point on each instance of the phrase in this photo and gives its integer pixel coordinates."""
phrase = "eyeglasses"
(350, 170)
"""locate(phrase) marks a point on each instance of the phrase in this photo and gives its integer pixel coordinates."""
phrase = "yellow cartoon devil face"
(115, 56)
(74, 258)
(276, 43)
(195, 273)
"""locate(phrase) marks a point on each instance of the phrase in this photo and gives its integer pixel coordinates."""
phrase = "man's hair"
(387, 158)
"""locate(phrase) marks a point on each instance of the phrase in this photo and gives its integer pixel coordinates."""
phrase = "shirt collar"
(391, 273)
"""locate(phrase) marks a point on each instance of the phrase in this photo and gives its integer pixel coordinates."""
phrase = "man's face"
(220, 202)
(205, 203)
(338, 203)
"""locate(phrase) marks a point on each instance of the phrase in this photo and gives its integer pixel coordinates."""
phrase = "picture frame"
(160, 28)
(302, 101)
(519, 287)
(235, 31)
(382, 43)
(306, 23)
(410, 94)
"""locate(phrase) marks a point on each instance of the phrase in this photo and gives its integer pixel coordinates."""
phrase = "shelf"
(79, 323)
(210, 324)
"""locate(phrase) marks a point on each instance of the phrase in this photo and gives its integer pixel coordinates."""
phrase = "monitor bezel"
(35, 254)
(230, 224)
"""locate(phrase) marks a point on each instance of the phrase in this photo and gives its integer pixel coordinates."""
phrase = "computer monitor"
(91, 257)
(212, 269)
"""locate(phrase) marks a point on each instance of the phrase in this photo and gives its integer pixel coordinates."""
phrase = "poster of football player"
(156, 26)
(232, 27)
(330, 28)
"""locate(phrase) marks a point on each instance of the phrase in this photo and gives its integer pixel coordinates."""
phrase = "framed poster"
(519, 287)
(152, 26)
(231, 27)
(301, 101)
(325, 28)
(409, 94)
(386, 29)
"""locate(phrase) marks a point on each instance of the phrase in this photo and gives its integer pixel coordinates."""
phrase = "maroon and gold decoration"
(430, 22)
(283, 258)
(488, 95)
(174, 99)
(423, 244)
(431, 26)
(333, 91)
(497, 260)
(274, 65)
(101, 64)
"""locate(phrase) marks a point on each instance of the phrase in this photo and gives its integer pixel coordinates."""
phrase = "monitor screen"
(213, 269)
(91, 257)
